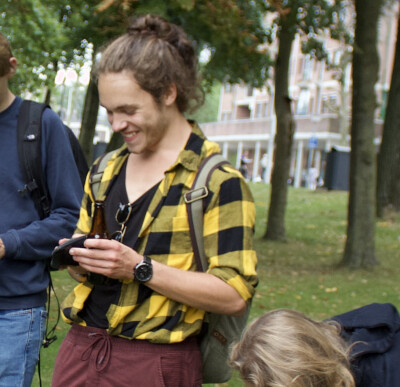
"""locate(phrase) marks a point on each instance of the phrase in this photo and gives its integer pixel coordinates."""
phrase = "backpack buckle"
(195, 194)
(29, 187)
(95, 178)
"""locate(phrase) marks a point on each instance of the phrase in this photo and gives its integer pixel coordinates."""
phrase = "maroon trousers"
(90, 357)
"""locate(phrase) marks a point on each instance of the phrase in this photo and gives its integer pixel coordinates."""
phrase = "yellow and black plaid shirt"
(164, 236)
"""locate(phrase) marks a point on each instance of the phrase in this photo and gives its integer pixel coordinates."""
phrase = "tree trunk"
(283, 138)
(89, 119)
(395, 189)
(360, 244)
(48, 96)
(389, 153)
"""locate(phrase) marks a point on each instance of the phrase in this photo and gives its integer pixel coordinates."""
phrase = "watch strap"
(146, 261)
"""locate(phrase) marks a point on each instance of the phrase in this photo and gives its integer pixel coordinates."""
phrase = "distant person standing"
(312, 178)
(26, 240)
(264, 164)
(244, 168)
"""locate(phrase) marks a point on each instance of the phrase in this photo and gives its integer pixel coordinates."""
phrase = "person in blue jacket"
(284, 347)
(25, 240)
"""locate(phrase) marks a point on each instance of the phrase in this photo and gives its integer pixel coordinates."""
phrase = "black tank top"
(102, 296)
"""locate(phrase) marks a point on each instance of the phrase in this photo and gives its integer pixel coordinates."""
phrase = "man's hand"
(108, 257)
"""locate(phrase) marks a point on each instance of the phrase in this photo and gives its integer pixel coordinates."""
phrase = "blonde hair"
(5, 55)
(285, 348)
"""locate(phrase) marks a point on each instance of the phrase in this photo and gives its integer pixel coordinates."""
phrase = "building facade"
(321, 102)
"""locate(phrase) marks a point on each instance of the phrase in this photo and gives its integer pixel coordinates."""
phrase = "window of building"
(308, 68)
(265, 109)
(300, 65)
(333, 103)
(259, 110)
(303, 102)
(329, 103)
(324, 107)
(242, 112)
(226, 116)
(337, 57)
(311, 105)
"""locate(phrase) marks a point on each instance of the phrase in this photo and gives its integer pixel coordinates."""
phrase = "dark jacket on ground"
(376, 358)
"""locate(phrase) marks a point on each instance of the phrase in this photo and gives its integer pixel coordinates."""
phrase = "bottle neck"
(99, 228)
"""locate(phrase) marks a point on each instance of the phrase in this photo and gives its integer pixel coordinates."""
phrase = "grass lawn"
(302, 273)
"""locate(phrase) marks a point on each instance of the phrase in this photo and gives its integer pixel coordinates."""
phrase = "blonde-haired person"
(285, 348)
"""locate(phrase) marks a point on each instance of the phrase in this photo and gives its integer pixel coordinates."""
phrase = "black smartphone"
(61, 256)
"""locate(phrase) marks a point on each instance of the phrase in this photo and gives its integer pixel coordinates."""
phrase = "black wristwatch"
(143, 271)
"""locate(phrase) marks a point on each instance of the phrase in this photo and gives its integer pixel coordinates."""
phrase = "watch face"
(143, 271)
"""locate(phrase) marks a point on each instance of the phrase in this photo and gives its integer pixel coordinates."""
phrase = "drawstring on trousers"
(101, 342)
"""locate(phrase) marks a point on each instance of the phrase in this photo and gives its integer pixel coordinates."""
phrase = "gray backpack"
(221, 330)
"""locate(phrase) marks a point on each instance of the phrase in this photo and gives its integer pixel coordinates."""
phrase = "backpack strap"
(30, 155)
(79, 156)
(194, 206)
(96, 173)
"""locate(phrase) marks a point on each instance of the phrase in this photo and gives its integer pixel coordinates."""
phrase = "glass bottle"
(98, 231)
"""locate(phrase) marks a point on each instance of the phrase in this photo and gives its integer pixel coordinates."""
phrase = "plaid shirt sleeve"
(228, 231)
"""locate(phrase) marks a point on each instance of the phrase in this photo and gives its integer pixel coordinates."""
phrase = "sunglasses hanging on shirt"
(122, 216)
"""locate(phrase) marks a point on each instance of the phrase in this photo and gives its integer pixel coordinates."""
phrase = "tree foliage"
(209, 111)
(36, 38)
(231, 31)
(48, 34)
